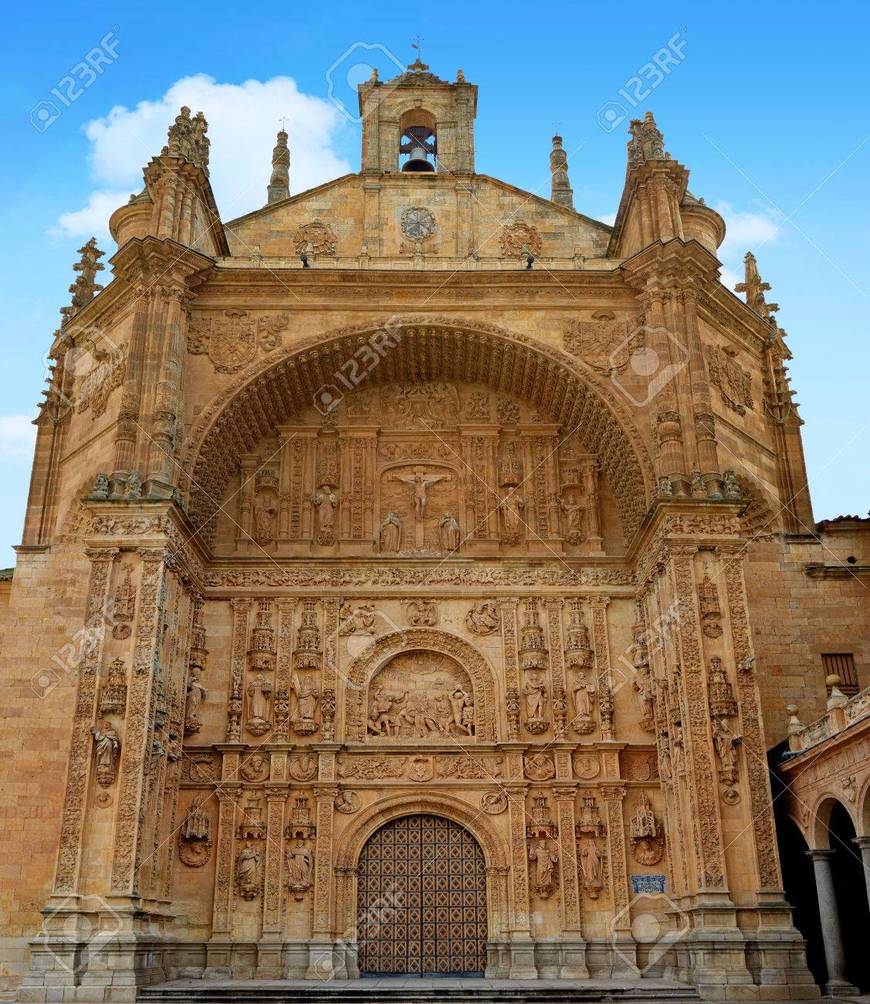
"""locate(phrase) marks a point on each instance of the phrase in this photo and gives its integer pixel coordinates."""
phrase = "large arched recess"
(273, 390)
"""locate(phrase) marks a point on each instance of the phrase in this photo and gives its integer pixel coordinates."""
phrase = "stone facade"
(414, 493)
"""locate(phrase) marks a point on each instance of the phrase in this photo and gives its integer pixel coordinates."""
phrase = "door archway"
(421, 899)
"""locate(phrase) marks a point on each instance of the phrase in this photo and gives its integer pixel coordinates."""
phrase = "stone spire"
(85, 287)
(279, 183)
(755, 289)
(646, 143)
(561, 193)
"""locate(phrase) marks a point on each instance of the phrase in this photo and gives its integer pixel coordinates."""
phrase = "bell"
(417, 160)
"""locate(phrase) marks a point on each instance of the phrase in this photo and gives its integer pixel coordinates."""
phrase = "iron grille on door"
(422, 899)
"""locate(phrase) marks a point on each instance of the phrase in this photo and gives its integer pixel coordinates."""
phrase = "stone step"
(405, 991)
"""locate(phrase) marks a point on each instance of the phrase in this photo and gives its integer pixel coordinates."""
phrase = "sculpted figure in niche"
(448, 530)
(325, 502)
(511, 507)
(584, 696)
(574, 518)
(248, 871)
(307, 695)
(545, 862)
(264, 519)
(259, 705)
(108, 750)
(726, 743)
(300, 863)
(591, 866)
(645, 687)
(390, 534)
(382, 720)
(196, 694)
(535, 692)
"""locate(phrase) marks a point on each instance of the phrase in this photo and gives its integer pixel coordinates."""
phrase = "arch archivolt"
(820, 820)
(557, 385)
(365, 824)
(379, 653)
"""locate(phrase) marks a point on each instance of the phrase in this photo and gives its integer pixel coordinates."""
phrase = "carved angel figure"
(108, 750)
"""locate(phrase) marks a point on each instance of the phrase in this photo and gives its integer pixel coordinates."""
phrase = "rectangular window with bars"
(843, 664)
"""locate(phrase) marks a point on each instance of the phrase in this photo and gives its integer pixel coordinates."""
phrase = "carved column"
(136, 751)
(522, 952)
(601, 644)
(557, 667)
(614, 796)
(328, 699)
(321, 951)
(238, 650)
(284, 662)
(508, 610)
(269, 947)
(66, 877)
(574, 952)
(218, 956)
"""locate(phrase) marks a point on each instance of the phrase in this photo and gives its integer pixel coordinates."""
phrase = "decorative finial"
(755, 289)
(646, 143)
(85, 287)
(460, 76)
(374, 77)
(279, 183)
(188, 140)
(561, 192)
(418, 63)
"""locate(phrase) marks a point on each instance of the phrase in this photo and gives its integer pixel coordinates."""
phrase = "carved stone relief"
(231, 339)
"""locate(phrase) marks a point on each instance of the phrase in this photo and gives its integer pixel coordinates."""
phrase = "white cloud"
(17, 436)
(608, 218)
(92, 219)
(744, 231)
(243, 120)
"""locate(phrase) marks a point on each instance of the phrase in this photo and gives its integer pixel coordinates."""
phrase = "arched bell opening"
(418, 143)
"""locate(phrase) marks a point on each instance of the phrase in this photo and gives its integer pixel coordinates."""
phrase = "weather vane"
(283, 121)
(417, 43)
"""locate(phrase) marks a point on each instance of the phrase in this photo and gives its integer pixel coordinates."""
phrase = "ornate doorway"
(422, 899)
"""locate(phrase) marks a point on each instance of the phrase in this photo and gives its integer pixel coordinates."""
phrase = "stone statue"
(535, 692)
(448, 531)
(196, 694)
(644, 685)
(421, 486)
(511, 507)
(259, 705)
(326, 502)
(300, 863)
(726, 743)
(584, 696)
(307, 695)
(545, 862)
(460, 700)
(264, 520)
(574, 512)
(418, 715)
(382, 721)
(591, 866)
(390, 534)
(248, 871)
(108, 751)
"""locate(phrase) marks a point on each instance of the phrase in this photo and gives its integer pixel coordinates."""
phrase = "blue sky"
(767, 109)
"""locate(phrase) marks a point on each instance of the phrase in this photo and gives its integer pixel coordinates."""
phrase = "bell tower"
(418, 123)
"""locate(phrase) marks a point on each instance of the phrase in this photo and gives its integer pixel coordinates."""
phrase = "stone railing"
(842, 712)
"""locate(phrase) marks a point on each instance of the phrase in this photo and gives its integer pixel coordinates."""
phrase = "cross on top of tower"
(418, 64)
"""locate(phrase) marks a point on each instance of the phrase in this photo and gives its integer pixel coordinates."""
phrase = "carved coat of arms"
(230, 339)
